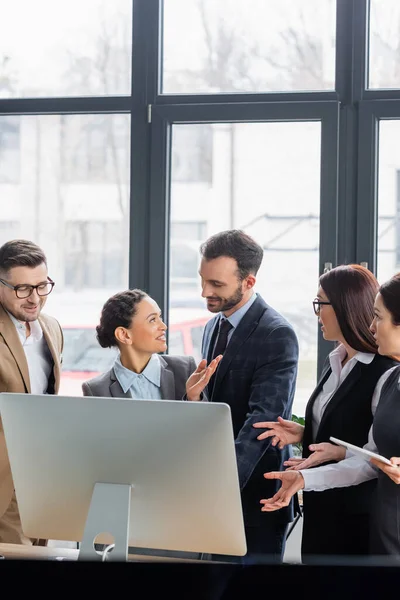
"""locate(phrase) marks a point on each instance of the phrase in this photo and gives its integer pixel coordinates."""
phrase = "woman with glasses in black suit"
(336, 521)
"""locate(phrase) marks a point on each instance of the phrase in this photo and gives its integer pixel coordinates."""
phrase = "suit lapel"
(116, 390)
(11, 337)
(167, 381)
(343, 390)
(54, 354)
(242, 332)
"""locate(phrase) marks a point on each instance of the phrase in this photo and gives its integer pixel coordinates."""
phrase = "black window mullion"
(351, 48)
(244, 98)
(159, 211)
(81, 105)
(144, 88)
(246, 112)
(361, 48)
(367, 186)
(329, 212)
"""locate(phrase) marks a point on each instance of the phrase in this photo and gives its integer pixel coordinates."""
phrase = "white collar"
(36, 330)
(339, 353)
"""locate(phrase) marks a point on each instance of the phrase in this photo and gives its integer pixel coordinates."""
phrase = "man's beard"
(20, 314)
(230, 302)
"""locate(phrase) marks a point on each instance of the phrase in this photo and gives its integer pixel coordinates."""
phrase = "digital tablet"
(367, 454)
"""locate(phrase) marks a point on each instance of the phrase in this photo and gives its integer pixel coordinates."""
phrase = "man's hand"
(283, 432)
(292, 482)
(392, 472)
(200, 378)
(322, 453)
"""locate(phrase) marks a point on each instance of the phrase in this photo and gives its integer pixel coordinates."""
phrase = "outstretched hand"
(292, 482)
(200, 378)
(282, 431)
(322, 453)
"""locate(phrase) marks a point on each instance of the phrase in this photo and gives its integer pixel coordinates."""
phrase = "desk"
(35, 569)
(22, 552)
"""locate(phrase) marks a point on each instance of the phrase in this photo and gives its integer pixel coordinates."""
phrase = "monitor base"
(109, 513)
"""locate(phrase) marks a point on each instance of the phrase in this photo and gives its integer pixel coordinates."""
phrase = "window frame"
(163, 119)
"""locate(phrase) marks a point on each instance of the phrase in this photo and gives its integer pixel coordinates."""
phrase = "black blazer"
(348, 417)
(256, 377)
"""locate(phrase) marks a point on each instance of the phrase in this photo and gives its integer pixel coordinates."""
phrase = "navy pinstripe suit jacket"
(257, 377)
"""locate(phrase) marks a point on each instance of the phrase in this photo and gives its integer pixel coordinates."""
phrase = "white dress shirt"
(38, 356)
(335, 380)
(353, 469)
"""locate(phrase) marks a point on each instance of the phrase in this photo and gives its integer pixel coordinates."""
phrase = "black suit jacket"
(347, 416)
(256, 378)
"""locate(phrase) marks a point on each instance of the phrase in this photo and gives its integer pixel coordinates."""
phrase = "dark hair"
(20, 253)
(351, 289)
(390, 292)
(117, 312)
(237, 245)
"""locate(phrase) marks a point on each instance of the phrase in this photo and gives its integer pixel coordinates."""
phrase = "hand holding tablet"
(366, 454)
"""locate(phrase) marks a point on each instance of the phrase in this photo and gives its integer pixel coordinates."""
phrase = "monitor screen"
(178, 457)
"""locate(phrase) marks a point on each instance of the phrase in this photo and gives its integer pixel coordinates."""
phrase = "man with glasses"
(30, 353)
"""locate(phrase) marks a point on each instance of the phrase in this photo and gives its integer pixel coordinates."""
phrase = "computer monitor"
(176, 457)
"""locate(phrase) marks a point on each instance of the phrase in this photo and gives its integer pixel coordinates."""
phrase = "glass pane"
(388, 200)
(263, 178)
(214, 46)
(64, 184)
(74, 48)
(384, 40)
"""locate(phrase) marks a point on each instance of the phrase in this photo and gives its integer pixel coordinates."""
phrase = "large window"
(9, 150)
(266, 181)
(131, 131)
(69, 48)
(389, 200)
(384, 44)
(82, 224)
(95, 148)
(255, 46)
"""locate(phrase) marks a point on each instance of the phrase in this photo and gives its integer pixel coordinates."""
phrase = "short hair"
(20, 253)
(351, 289)
(117, 312)
(390, 292)
(235, 244)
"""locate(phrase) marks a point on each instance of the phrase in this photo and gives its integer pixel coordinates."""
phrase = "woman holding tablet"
(336, 521)
(384, 439)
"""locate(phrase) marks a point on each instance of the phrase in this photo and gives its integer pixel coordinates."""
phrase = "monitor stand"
(109, 512)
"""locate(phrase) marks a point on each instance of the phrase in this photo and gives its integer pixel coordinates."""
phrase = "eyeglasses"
(24, 291)
(317, 305)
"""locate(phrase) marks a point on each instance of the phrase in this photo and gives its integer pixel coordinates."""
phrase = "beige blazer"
(14, 377)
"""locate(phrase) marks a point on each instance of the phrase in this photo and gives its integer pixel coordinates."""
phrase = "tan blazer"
(14, 377)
